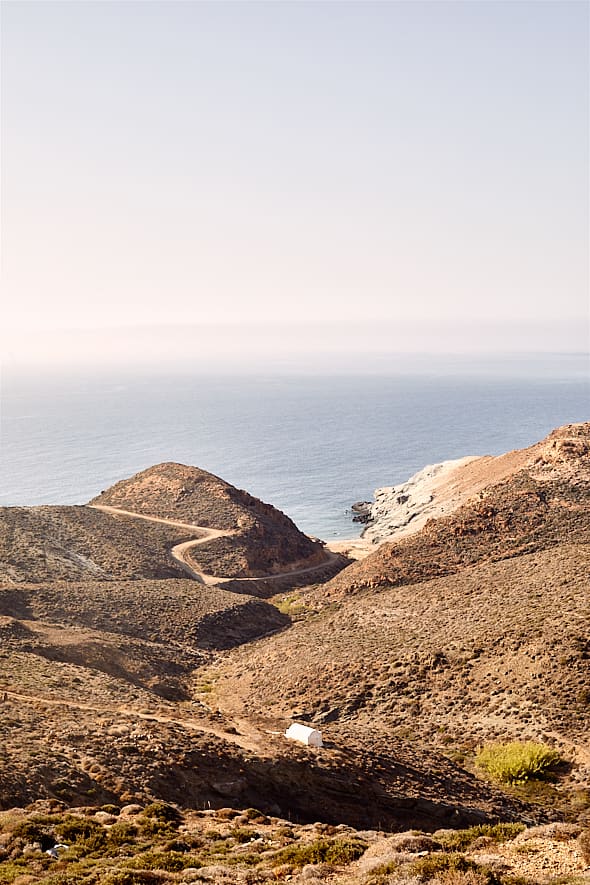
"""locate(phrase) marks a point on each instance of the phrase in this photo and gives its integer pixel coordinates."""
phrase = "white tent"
(306, 735)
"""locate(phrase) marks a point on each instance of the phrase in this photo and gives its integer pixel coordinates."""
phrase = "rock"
(230, 788)
(132, 809)
(104, 817)
(414, 501)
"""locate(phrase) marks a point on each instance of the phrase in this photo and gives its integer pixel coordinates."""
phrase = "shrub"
(121, 833)
(82, 835)
(254, 815)
(160, 819)
(444, 866)
(162, 812)
(243, 834)
(454, 877)
(170, 861)
(460, 840)
(226, 813)
(130, 877)
(77, 829)
(518, 762)
(334, 851)
(35, 830)
(111, 809)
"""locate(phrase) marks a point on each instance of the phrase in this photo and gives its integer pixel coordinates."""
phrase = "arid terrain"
(132, 530)
(141, 669)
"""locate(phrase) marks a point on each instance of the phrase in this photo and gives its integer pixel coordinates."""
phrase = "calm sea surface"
(309, 445)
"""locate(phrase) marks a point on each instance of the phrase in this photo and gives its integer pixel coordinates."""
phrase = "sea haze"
(309, 445)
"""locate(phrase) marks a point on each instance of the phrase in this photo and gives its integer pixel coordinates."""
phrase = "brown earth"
(253, 539)
(264, 539)
(78, 543)
(122, 682)
(499, 651)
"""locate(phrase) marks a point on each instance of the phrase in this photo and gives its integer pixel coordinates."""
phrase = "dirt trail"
(179, 553)
(253, 741)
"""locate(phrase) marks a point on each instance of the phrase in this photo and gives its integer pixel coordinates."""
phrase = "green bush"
(163, 812)
(426, 868)
(130, 877)
(460, 840)
(334, 851)
(518, 762)
(170, 861)
(121, 833)
(252, 814)
(82, 835)
(243, 834)
(111, 809)
(36, 828)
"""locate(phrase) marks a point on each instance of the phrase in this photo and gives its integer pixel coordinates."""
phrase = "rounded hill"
(255, 539)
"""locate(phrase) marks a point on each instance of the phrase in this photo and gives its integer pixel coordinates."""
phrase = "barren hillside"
(170, 503)
(264, 540)
(121, 682)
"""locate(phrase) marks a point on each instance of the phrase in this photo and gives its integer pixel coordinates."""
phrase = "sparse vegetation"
(426, 868)
(115, 699)
(292, 605)
(212, 840)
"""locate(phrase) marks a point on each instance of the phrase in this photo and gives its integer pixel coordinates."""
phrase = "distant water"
(309, 445)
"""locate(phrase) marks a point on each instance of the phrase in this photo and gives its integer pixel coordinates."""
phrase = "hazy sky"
(297, 162)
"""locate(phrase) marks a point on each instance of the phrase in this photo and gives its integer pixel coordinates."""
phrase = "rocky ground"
(79, 543)
(136, 844)
(539, 506)
(440, 489)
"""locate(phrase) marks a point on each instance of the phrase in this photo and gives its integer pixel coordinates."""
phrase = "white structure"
(304, 734)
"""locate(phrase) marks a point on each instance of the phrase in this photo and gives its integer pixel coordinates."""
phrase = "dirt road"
(253, 741)
(179, 553)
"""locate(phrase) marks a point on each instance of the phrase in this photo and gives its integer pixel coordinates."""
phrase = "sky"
(294, 176)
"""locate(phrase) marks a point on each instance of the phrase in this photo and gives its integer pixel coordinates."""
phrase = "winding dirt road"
(253, 741)
(180, 551)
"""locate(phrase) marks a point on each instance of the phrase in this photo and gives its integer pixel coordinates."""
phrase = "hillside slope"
(80, 543)
(264, 540)
(474, 629)
(119, 683)
(544, 501)
(500, 650)
(163, 507)
(440, 489)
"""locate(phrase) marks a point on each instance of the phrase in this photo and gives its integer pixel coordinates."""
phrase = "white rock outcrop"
(403, 509)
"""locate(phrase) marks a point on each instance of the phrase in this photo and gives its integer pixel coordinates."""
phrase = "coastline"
(437, 490)
(401, 510)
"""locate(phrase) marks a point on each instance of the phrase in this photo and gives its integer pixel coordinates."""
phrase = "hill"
(541, 503)
(499, 651)
(78, 543)
(150, 525)
(121, 681)
(263, 540)
(474, 629)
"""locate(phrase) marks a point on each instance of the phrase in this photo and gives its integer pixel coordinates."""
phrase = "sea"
(310, 444)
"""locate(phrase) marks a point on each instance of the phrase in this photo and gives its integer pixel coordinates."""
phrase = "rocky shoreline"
(403, 509)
